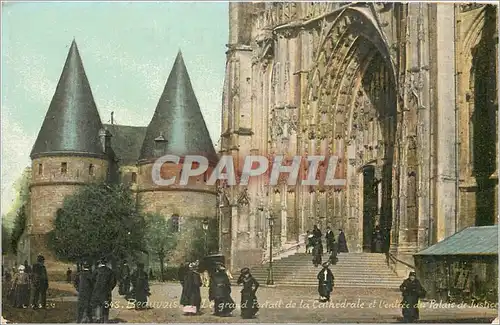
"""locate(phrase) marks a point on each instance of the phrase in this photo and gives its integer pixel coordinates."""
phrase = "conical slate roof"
(178, 120)
(72, 123)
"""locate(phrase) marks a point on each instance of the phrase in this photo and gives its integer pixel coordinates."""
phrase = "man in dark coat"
(40, 283)
(104, 282)
(330, 239)
(220, 292)
(84, 285)
(68, 275)
(342, 242)
(377, 240)
(333, 259)
(316, 232)
(124, 287)
(27, 268)
(325, 283)
(140, 285)
(317, 252)
(412, 291)
(191, 296)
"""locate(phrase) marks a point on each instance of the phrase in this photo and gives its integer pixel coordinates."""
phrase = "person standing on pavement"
(104, 280)
(40, 283)
(412, 291)
(84, 284)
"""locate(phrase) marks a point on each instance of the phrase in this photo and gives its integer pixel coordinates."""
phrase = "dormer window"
(160, 145)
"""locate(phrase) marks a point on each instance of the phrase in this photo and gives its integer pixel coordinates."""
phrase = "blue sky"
(127, 49)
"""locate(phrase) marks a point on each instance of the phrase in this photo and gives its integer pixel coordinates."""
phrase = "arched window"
(91, 170)
(134, 178)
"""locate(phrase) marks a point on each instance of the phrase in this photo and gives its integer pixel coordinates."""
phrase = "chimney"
(105, 137)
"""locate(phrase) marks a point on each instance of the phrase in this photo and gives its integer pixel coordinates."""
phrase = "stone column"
(445, 122)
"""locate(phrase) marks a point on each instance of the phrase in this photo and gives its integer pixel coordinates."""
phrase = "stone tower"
(177, 128)
(70, 150)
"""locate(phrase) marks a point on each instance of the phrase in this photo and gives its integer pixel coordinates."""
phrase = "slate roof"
(126, 142)
(178, 119)
(470, 241)
(72, 122)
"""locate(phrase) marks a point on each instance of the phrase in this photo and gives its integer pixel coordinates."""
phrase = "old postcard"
(263, 162)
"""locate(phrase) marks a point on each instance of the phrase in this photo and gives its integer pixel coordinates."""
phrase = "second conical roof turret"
(177, 126)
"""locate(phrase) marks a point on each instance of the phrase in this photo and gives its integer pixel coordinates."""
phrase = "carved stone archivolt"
(471, 6)
(284, 122)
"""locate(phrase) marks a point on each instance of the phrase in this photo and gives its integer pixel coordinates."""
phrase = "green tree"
(5, 240)
(22, 189)
(160, 238)
(19, 227)
(204, 242)
(98, 220)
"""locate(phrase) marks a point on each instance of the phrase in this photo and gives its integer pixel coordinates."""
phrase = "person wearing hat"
(104, 282)
(21, 288)
(40, 283)
(124, 286)
(140, 285)
(317, 252)
(191, 295)
(84, 284)
(220, 292)
(249, 304)
(412, 291)
(325, 282)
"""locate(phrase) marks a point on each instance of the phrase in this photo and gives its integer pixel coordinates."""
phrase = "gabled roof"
(178, 120)
(72, 123)
(470, 241)
(126, 142)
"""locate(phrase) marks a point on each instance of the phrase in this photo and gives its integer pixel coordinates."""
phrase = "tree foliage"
(204, 242)
(22, 189)
(98, 220)
(5, 240)
(160, 237)
(19, 227)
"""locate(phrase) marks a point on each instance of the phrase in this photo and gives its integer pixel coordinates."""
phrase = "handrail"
(390, 256)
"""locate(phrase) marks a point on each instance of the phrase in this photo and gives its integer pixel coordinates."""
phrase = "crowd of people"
(219, 291)
(411, 289)
(28, 281)
(95, 285)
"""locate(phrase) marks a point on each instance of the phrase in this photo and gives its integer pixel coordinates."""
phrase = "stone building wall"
(51, 183)
(383, 86)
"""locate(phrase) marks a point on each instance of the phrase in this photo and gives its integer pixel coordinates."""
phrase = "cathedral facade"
(405, 94)
(74, 148)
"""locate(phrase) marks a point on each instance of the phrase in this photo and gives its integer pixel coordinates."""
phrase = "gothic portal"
(404, 94)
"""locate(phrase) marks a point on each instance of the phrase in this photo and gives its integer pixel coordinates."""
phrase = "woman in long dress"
(140, 287)
(325, 282)
(249, 304)
(220, 292)
(191, 296)
(21, 289)
(317, 253)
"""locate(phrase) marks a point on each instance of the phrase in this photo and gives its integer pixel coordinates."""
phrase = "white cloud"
(16, 145)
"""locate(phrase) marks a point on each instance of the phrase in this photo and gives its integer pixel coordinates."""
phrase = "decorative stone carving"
(471, 6)
(284, 122)
(243, 198)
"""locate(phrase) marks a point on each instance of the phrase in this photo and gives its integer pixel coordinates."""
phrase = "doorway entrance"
(370, 210)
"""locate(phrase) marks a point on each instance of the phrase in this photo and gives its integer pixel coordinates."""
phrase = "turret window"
(175, 220)
(64, 168)
(134, 178)
(91, 170)
(40, 169)
(160, 145)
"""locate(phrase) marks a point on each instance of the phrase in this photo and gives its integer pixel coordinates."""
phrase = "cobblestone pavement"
(298, 304)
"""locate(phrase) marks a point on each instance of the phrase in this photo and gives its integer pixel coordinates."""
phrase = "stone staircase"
(353, 270)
